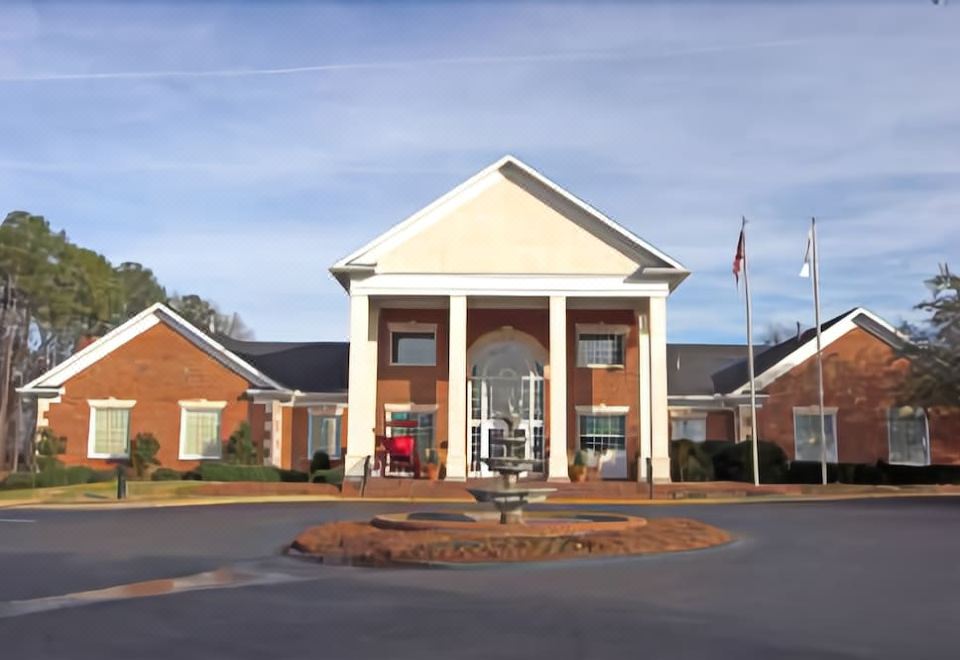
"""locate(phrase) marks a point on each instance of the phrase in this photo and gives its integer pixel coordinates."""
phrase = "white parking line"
(16, 520)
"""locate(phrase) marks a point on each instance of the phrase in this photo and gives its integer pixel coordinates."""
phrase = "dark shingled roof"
(319, 366)
(737, 374)
(690, 367)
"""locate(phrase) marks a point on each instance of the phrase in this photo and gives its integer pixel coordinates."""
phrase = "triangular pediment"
(509, 219)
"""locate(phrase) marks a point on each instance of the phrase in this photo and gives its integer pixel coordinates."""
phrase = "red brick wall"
(862, 376)
(299, 442)
(157, 369)
(720, 425)
(614, 386)
(421, 385)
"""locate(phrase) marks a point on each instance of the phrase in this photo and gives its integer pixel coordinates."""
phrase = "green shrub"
(227, 472)
(165, 474)
(332, 476)
(45, 463)
(16, 480)
(103, 476)
(320, 461)
(735, 462)
(50, 444)
(580, 458)
(295, 476)
(144, 453)
(240, 449)
(689, 461)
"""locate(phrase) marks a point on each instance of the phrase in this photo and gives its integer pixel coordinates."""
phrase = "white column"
(276, 434)
(557, 468)
(643, 389)
(659, 412)
(362, 383)
(457, 390)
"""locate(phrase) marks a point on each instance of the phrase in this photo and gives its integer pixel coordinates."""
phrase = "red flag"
(738, 258)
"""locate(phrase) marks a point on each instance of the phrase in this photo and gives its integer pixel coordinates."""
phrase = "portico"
(510, 306)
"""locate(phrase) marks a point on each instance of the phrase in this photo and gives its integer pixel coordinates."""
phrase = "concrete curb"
(305, 499)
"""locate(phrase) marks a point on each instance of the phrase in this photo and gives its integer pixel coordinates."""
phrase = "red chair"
(401, 454)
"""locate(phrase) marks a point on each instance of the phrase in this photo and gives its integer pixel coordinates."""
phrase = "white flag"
(807, 256)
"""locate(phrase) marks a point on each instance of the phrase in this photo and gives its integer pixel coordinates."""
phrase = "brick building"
(507, 307)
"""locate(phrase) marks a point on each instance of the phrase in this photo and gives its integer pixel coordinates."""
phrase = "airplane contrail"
(576, 56)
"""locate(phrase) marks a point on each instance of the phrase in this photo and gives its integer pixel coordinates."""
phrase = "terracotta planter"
(432, 471)
(578, 473)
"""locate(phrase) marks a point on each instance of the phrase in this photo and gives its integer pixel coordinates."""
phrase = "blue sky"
(240, 149)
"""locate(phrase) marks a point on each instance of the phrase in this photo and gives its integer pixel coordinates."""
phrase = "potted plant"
(432, 464)
(578, 471)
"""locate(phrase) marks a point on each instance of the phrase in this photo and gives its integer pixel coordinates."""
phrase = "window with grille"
(110, 433)
(602, 432)
(199, 434)
(909, 441)
(599, 349)
(806, 434)
(421, 429)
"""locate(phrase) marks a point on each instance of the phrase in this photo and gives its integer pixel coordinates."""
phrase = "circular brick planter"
(411, 539)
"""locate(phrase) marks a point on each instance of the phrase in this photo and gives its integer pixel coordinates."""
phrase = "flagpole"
(816, 314)
(753, 387)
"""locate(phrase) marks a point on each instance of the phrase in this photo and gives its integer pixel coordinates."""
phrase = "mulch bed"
(360, 543)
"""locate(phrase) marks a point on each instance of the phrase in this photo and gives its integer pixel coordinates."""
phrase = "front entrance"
(505, 392)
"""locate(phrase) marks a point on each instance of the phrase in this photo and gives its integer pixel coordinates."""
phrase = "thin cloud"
(535, 58)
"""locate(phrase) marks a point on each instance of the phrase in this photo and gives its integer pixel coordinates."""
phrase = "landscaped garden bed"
(362, 543)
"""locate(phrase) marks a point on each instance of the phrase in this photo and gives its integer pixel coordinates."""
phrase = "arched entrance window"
(506, 395)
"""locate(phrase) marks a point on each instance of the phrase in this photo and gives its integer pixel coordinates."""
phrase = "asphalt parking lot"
(853, 579)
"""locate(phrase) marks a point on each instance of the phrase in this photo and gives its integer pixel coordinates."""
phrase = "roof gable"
(509, 218)
(779, 359)
(130, 330)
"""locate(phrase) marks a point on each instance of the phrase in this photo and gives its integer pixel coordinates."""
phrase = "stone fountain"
(509, 497)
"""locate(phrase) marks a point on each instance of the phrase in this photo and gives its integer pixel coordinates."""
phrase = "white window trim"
(603, 409)
(199, 405)
(106, 404)
(926, 429)
(686, 414)
(327, 411)
(410, 407)
(815, 410)
(602, 329)
(412, 327)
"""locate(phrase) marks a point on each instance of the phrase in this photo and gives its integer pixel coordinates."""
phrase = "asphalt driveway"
(855, 579)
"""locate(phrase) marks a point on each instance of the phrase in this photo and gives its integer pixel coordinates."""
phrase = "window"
(323, 434)
(806, 430)
(909, 437)
(411, 348)
(200, 432)
(688, 427)
(600, 345)
(109, 431)
(602, 432)
(417, 424)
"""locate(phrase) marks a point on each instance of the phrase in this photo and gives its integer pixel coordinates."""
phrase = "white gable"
(134, 327)
(509, 219)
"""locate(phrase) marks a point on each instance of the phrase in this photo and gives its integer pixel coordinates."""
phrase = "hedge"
(332, 476)
(165, 474)
(295, 476)
(734, 462)
(225, 472)
(689, 461)
(809, 472)
(58, 476)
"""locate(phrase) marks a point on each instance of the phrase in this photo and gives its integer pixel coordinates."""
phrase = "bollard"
(650, 475)
(121, 483)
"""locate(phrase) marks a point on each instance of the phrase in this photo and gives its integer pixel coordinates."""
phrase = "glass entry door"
(506, 400)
